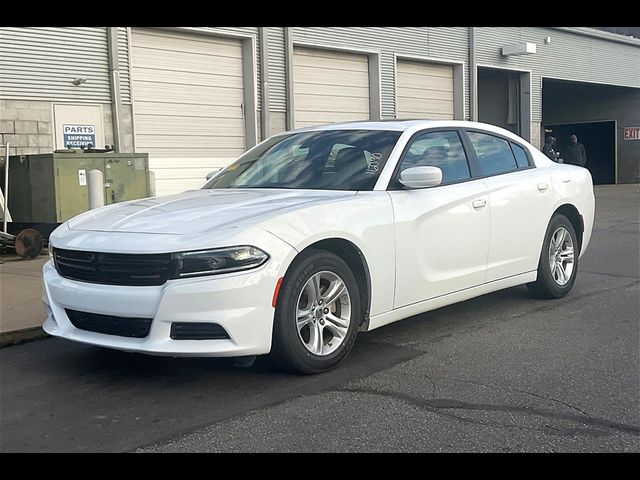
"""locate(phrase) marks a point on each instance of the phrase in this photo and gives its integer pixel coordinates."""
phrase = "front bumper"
(239, 302)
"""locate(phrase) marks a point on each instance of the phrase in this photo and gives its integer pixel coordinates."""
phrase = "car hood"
(200, 211)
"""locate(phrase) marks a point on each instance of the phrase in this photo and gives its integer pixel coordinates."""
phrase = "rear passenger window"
(438, 149)
(521, 156)
(494, 154)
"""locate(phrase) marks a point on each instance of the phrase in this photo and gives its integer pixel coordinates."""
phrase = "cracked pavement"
(500, 373)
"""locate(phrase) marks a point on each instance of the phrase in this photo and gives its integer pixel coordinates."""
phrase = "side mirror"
(421, 177)
(213, 173)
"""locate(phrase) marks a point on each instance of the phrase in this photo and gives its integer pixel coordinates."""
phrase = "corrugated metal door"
(188, 96)
(39, 63)
(329, 86)
(424, 90)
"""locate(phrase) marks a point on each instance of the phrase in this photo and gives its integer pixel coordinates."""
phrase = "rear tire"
(558, 264)
(319, 340)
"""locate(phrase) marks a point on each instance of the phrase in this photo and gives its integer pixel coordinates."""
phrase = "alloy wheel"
(323, 313)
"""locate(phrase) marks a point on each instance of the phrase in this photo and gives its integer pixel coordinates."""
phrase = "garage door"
(188, 99)
(424, 90)
(329, 86)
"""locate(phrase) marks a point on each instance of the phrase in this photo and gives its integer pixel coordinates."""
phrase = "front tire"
(317, 314)
(558, 264)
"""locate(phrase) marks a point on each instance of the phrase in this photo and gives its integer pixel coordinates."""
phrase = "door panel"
(520, 210)
(424, 90)
(72, 197)
(441, 240)
(188, 93)
(125, 179)
(520, 200)
(329, 86)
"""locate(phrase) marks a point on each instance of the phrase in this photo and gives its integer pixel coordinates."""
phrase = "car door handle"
(478, 204)
(542, 187)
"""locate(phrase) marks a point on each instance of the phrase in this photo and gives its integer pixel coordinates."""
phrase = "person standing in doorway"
(575, 154)
(549, 148)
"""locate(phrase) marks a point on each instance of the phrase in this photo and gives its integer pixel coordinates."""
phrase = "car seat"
(351, 169)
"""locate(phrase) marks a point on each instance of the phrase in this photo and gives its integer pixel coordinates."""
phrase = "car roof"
(399, 125)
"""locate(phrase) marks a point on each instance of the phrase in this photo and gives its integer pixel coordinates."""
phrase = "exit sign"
(632, 133)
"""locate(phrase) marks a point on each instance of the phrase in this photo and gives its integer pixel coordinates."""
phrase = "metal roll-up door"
(39, 63)
(188, 96)
(424, 90)
(329, 86)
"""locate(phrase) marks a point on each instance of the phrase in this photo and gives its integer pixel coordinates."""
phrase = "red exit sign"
(632, 133)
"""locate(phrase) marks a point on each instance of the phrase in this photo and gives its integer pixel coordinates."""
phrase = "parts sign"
(78, 136)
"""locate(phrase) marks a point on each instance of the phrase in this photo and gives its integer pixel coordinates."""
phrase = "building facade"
(196, 98)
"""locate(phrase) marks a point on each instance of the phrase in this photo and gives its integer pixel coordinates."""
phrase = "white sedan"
(316, 234)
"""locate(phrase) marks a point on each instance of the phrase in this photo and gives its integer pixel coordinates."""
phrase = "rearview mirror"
(421, 177)
(213, 173)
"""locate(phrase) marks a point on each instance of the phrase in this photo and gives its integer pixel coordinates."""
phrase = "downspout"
(264, 86)
(288, 61)
(114, 78)
(473, 76)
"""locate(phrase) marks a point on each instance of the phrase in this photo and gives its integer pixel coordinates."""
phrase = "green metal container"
(52, 187)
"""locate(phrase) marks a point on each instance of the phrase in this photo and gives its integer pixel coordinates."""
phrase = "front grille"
(109, 324)
(197, 331)
(114, 268)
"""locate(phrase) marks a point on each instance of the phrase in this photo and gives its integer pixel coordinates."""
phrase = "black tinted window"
(494, 154)
(521, 156)
(438, 149)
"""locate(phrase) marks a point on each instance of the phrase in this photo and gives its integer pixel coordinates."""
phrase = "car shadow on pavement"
(116, 365)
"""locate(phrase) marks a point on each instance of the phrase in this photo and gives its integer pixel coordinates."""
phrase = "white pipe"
(95, 184)
(6, 190)
(114, 77)
(473, 75)
(264, 87)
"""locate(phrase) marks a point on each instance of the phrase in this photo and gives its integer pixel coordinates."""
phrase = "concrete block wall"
(277, 122)
(107, 123)
(126, 128)
(27, 126)
(537, 139)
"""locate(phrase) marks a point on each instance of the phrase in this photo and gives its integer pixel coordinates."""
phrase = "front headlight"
(220, 260)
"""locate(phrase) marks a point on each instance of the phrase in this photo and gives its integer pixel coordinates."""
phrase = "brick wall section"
(27, 126)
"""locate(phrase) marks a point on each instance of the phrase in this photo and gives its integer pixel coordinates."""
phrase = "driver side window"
(438, 149)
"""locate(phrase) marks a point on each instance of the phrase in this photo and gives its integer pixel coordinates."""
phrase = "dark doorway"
(599, 140)
(499, 98)
(596, 107)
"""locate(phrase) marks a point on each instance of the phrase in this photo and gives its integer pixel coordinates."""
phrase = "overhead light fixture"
(524, 48)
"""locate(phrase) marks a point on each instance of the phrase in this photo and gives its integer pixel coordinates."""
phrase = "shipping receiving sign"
(78, 136)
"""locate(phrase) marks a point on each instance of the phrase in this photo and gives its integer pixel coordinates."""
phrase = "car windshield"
(321, 160)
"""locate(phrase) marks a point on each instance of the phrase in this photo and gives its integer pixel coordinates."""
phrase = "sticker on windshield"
(374, 163)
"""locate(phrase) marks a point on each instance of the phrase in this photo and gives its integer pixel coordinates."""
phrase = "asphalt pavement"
(503, 373)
